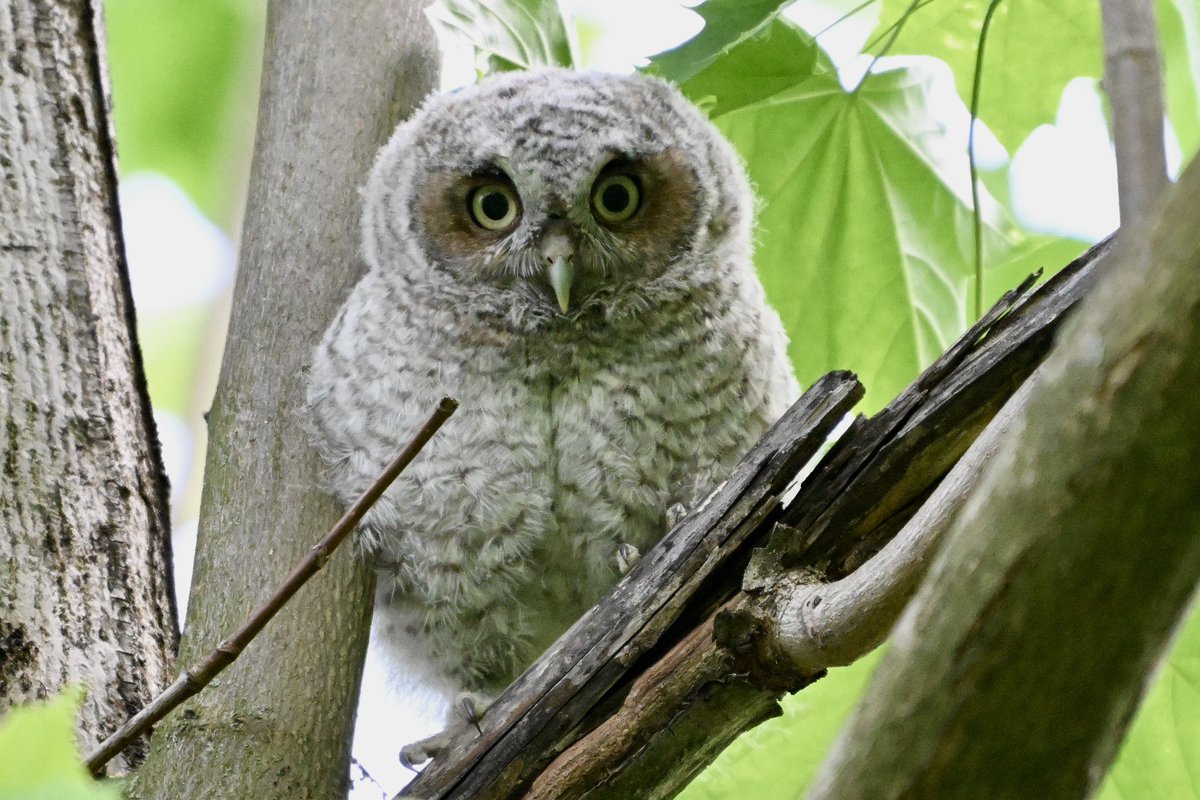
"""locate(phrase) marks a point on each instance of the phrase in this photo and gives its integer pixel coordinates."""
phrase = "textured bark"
(85, 592)
(337, 77)
(1021, 661)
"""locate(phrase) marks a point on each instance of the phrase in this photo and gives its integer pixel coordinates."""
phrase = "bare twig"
(1133, 80)
(198, 676)
(976, 212)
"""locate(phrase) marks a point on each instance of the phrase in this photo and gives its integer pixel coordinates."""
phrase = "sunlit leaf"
(37, 755)
(1034, 48)
(727, 23)
(1161, 756)
(778, 759)
(1179, 38)
(508, 34)
(1035, 252)
(771, 61)
(865, 242)
(183, 94)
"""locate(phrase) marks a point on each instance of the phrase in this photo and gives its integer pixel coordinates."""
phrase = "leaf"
(1179, 38)
(1161, 756)
(727, 23)
(508, 34)
(866, 243)
(1034, 48)
(183, 99)
(39, 759)
(1035, 252)
(774, 59)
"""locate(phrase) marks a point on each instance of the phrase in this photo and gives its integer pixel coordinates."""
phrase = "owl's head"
(540, 198)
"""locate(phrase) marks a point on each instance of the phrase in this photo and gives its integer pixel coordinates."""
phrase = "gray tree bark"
(337, 77)
(1021, 661)
(85, 588)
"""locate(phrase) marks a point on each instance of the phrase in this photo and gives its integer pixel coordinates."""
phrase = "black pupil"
(615, 197)
(494, 206)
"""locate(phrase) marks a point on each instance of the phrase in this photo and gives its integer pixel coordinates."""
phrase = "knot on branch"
(748, 630)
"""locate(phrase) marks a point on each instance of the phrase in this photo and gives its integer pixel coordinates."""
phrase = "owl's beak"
(558, 250)
(561, 273)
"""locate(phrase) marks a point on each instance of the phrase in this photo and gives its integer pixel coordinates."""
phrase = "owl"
(569, 255)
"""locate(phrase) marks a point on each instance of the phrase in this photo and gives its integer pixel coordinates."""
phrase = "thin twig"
(1133, 81)
(199, 675)
(977, 213)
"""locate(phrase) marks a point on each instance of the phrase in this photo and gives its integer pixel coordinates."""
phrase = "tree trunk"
(1021, 661)
(85, 591)
(337, 77)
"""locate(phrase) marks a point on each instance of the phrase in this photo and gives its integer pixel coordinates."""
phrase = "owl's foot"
(626, 556)
(417, 753)
(469, 707)
(466, 712)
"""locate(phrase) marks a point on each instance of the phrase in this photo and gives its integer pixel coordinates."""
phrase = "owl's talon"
(675, 515)
(467, 709)
(626, 557)
(470, 708)
(421, 752)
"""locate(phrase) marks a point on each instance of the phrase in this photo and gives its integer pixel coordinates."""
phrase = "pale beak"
(561, 273)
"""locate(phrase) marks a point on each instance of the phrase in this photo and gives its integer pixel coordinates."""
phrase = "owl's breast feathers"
(567, 444)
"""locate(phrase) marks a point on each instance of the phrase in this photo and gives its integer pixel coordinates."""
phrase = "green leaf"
(774, 59)
(183, 97)
(865, 243)
(173, 344)
(508, 34)
(37, 755)
(727, 23)
(1161, 756)
(1179, 38)
(778, 759)
(1034, 48)
(1036, 252)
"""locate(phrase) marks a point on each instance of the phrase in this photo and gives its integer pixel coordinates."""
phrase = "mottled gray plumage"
(579, 430)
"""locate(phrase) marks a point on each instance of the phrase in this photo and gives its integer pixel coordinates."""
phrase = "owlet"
(569, 255)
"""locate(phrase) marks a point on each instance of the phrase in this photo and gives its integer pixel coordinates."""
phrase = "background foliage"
(865, 239)
(39, 761)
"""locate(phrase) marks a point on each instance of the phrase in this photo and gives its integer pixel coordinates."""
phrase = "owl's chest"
(617, 425)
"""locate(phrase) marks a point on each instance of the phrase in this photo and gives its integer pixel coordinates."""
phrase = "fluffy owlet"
(568, 255)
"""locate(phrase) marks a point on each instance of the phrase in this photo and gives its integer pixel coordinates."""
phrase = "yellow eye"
(494, 206)
(615, 198)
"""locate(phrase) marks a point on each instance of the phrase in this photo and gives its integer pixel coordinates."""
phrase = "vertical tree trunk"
(338, 75)
(85, 592)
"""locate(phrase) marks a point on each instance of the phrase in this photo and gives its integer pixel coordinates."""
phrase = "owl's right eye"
(494, 206)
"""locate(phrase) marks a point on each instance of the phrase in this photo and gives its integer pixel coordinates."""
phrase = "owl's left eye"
(494, 206)
(615, 198)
